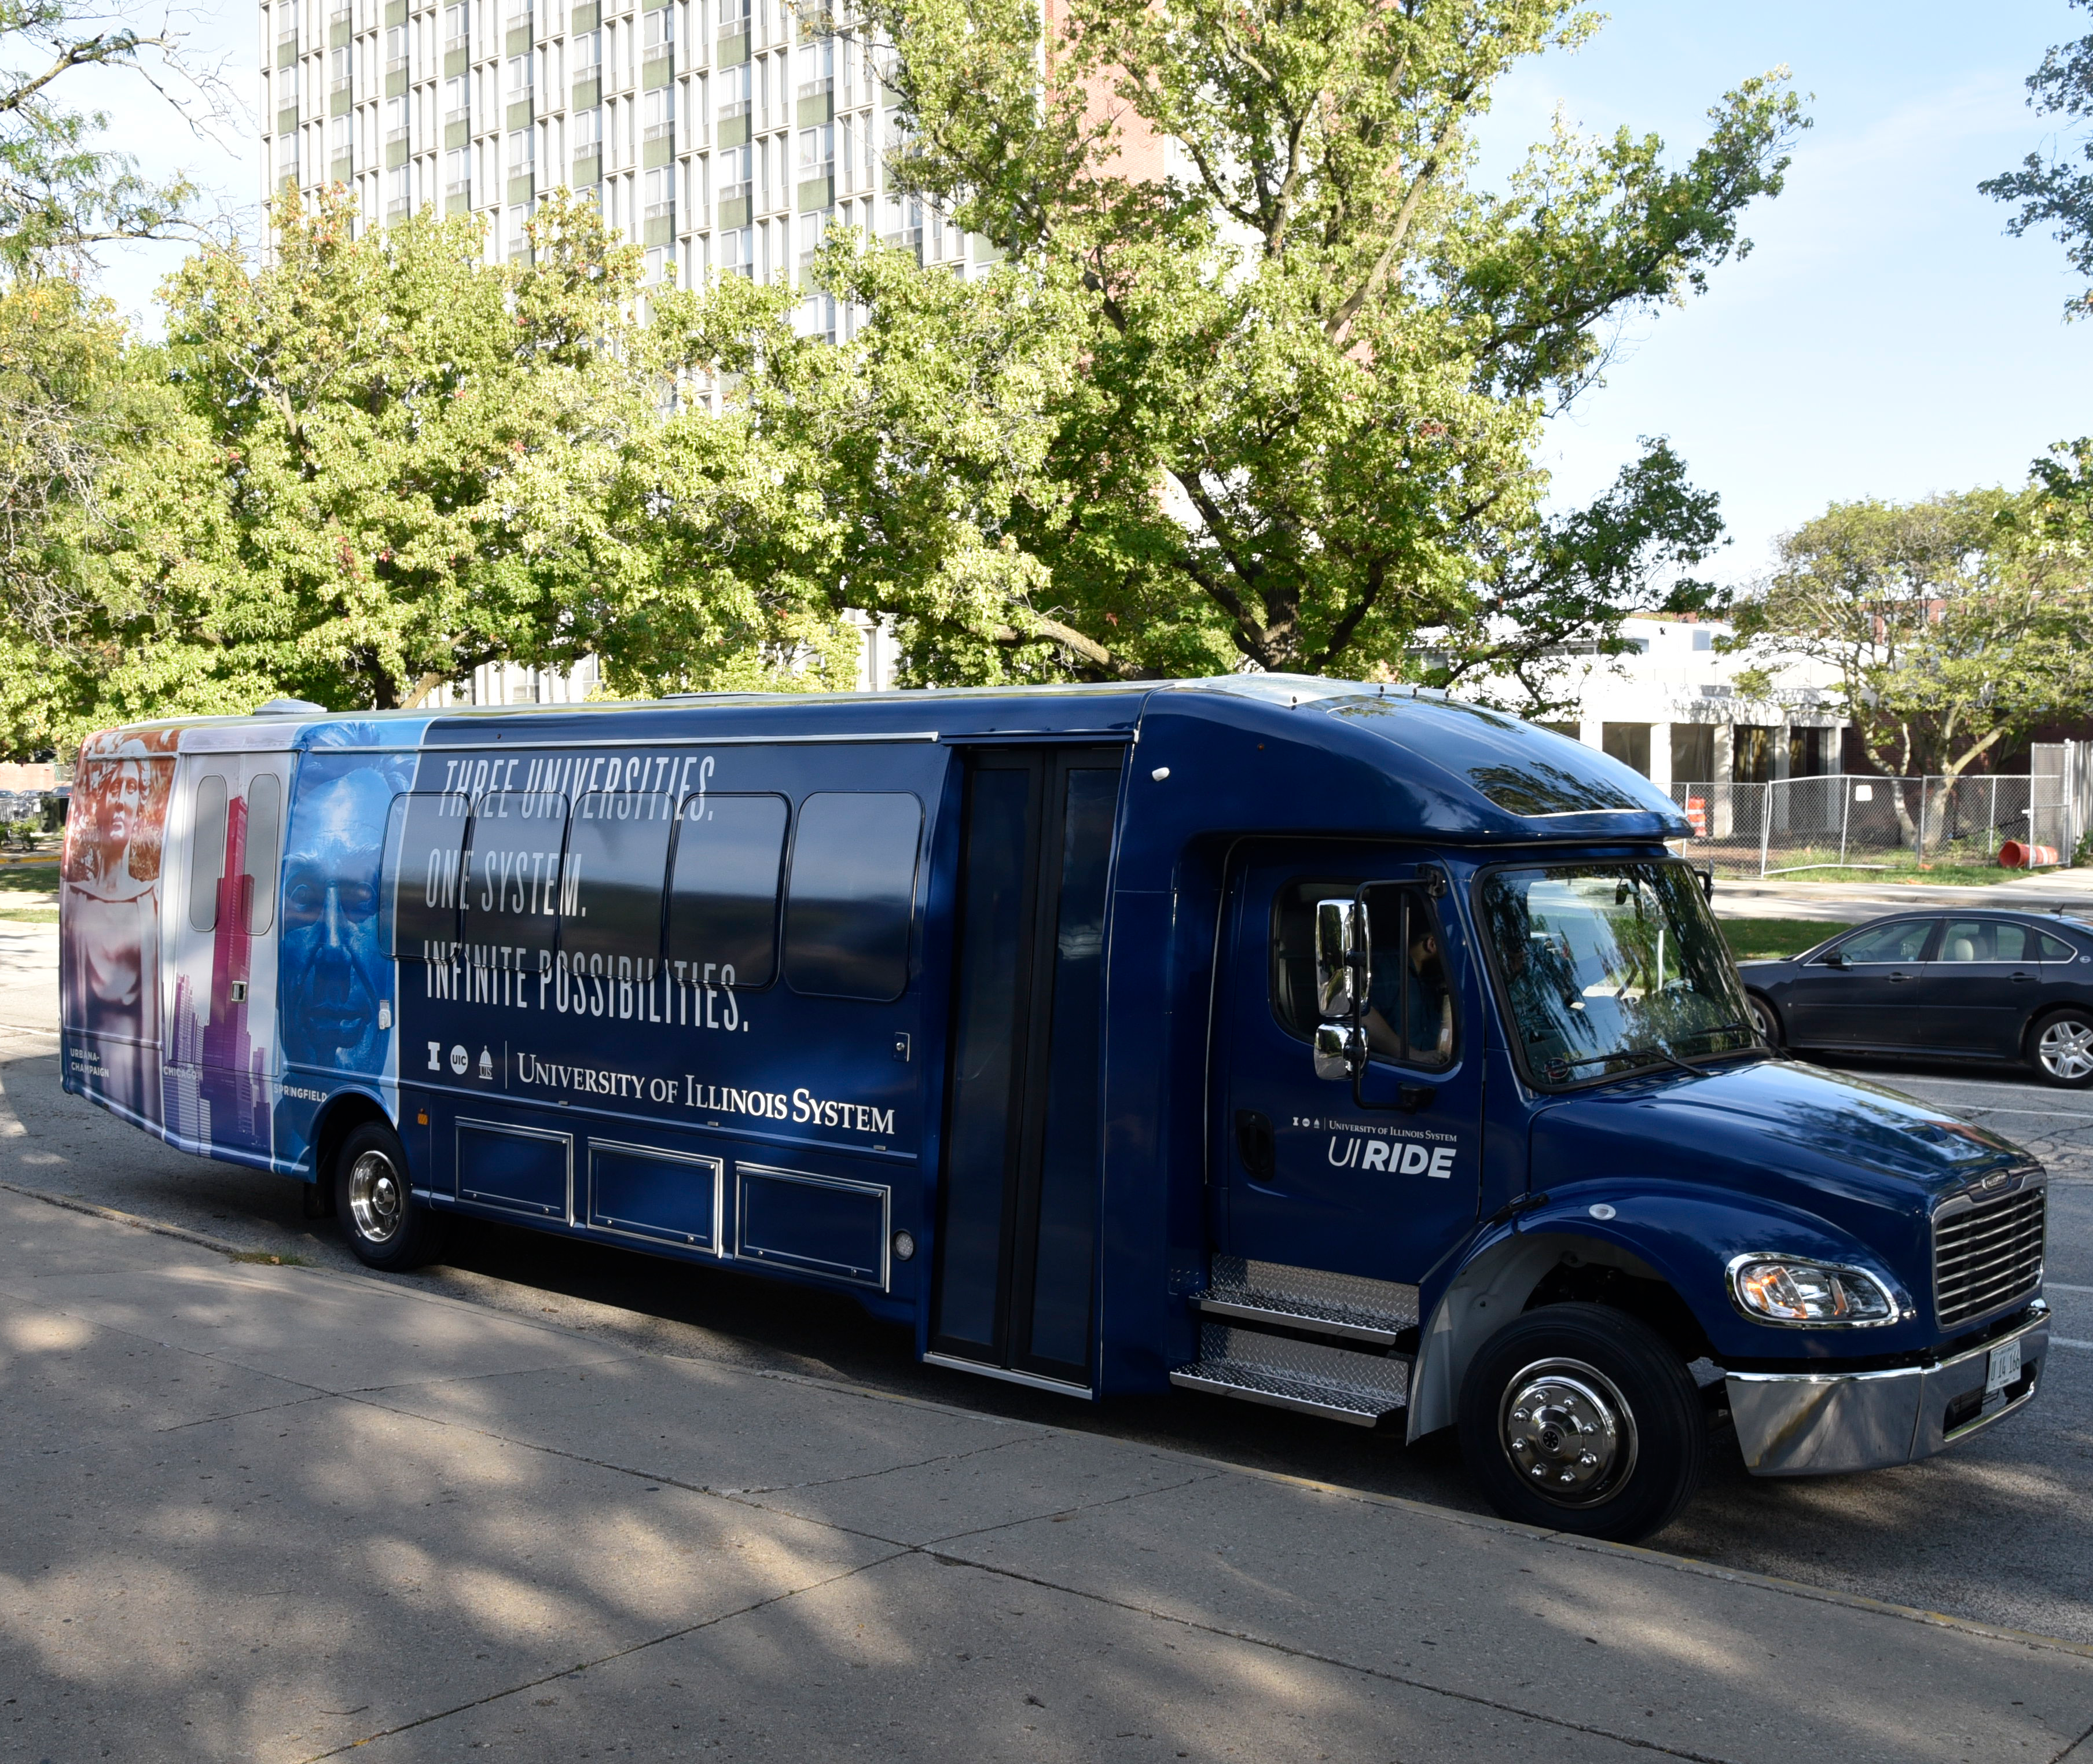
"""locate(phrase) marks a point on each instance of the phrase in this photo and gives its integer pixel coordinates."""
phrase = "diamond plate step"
(1376, 1310)
(1337, 1382)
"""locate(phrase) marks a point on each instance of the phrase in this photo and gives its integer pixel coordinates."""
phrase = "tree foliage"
(362, 468)
(69, 409)
(1262, 377)
(2056, 192)
(1954, 624)
(62, 193)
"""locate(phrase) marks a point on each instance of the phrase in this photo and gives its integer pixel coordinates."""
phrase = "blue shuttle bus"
(1354, 1050)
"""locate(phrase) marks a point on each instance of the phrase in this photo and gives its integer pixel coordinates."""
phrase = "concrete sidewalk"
(275, 1513)
(1853, 902)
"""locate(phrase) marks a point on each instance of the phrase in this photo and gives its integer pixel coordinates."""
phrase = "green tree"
(392, 461)
(1954, 624)
(1273, 398)
(67, 398)
(358, 471)
(69, 405)
(62, 193)
(2057, 192)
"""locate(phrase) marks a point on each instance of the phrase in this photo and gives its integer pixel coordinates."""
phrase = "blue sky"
(1884, 338)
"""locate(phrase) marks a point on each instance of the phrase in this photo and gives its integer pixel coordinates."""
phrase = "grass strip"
(1757, 939)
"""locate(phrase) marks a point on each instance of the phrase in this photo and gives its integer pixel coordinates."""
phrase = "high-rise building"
(723, 136)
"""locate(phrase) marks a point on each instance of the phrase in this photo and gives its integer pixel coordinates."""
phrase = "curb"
(116, 1218)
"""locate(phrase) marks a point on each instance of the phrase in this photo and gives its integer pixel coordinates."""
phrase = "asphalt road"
(1999, 1530)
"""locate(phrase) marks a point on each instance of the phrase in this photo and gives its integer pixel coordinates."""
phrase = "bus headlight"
(1781, 1288)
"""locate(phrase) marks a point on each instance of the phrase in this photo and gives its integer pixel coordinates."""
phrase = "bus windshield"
(1612, 967)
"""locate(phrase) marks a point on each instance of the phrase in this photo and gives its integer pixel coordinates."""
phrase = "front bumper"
(1818, 1423)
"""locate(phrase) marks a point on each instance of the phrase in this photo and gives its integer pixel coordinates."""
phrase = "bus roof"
(1470, 770)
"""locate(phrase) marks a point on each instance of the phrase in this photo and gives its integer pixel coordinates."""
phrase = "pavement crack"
(1081, 1506)
(616, 1469)
(616, 1654)
(265, 1408)
(1317, 1657)
(862, 1475)
(476, 1378)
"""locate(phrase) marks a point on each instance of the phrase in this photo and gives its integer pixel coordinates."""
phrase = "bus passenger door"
(219, 965)
(1380, 1179)
(1018, 1194)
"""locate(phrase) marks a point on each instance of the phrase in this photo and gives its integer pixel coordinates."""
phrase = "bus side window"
(853, 895)
(265, 825)
(206, 851)
(512, 881)
(618, 859)
(723, 892)
(424, 859)
(1409, 1014)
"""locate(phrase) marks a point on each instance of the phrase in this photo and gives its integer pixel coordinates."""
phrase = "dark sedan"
(1954, 986)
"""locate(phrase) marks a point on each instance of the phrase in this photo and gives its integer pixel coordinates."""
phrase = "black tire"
(2059, 1047)
(1764, 1018)
(373, 1198)
(1599, 1377)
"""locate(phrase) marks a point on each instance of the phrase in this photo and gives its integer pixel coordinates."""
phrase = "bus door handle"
(1255, 1145)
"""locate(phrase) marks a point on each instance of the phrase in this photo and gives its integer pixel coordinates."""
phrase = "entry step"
(1339, 1383)
(1376, 1310)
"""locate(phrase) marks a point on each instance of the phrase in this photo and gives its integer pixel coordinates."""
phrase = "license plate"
(2004, 1369)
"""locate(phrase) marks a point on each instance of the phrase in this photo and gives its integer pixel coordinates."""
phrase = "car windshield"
(1612, 967)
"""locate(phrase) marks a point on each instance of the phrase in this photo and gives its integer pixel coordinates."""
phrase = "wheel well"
(1516, 1275)
(342, 1118)
(1771, 1009)
(1644, 1297)
(2035, 1020)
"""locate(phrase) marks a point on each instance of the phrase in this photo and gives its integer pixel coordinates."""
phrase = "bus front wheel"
(1579, 1417)
(386, 1226)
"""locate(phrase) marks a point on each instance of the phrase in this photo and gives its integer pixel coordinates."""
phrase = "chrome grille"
(1986, 1254)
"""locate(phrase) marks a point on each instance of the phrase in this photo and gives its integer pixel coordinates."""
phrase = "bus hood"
(1824, 1140)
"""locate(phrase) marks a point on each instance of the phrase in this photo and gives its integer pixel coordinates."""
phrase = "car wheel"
(1579, 1418)
(373, 1198)
(2060, 1048)
(1763, 1019)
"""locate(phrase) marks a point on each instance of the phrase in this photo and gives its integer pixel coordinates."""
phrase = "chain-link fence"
(1846, 820)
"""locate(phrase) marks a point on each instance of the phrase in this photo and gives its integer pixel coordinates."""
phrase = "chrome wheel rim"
(1761, 1024)
(377, 1198)
(1568, 1431)
(2066, 1049)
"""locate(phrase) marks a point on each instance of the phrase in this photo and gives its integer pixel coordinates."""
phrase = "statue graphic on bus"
(111, 883)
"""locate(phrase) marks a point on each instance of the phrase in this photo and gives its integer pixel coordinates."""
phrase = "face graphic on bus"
(114, 802)
(332, 974)
(116, 813)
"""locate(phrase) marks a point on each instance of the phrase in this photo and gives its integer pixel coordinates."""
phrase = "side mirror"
(1706, 872)
(1341, 1053)
(1834, 959)
(1342, 966)
(1340, 958)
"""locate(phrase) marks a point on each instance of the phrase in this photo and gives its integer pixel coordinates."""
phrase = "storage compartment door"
(520, 1169)
(666, 1196)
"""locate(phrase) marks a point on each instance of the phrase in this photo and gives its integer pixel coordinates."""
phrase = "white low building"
(1671, 709)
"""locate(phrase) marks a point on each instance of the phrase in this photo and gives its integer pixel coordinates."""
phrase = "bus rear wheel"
(1579, 1418)
(374, 1198)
